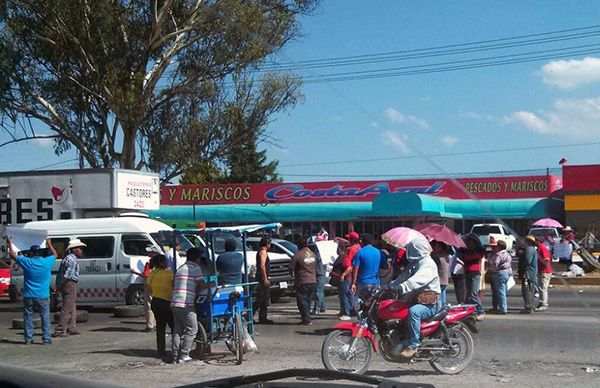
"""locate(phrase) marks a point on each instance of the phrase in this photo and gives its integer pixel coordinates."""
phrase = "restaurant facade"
(366, 206)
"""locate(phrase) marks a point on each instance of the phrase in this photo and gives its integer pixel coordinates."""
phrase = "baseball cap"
(34, 248)
(353, 235)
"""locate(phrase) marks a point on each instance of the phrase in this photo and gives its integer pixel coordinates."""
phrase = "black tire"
(336, 343)
(456, 360)
(129, 311)
(238, 339)
(18, 323)
(135, 295)
(200, 347)
(82, 316)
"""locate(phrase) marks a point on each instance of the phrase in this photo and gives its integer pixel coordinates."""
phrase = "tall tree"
(124, 80)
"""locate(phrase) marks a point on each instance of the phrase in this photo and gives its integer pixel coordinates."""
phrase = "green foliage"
(145, 83)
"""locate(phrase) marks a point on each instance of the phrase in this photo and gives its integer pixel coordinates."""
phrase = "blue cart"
(224, 310)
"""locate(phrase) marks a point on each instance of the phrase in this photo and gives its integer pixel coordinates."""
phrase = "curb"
(577, 281)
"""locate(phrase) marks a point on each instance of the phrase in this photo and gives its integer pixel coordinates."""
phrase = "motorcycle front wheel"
(456, 359)
(337, 356)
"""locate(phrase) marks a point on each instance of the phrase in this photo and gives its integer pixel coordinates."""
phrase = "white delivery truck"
(115, 245)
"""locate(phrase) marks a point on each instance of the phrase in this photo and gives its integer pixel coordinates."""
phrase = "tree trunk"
(127, 159)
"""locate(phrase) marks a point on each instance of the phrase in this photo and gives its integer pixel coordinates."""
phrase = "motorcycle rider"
(419, 285)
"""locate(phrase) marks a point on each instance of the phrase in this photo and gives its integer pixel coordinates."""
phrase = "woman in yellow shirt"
(160, 282)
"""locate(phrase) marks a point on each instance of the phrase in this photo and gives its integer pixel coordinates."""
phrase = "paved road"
(545, 349)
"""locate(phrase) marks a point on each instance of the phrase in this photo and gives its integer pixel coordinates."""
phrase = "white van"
(114, 246)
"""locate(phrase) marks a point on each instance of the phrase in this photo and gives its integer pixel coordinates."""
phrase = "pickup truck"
(549, 236)
(494, 232)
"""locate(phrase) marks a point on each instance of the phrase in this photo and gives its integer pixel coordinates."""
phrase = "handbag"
(334, 280)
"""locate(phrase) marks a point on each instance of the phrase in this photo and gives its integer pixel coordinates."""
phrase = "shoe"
(541, 308)
(28, 342)
(60, 334)
(48, 342)
(526, 311)
(148, 329)
(491, 311)
(344, 318)
(185, 359)
(323, 311)
(536, 295)
(480, 317)
(314, 312)
(73, 332)
(409, 352)
(306, 323)
(265, 322)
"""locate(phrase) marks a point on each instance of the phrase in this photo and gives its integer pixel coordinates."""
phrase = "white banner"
(22, 239)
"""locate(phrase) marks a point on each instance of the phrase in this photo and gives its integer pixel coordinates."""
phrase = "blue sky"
(534, 104)
(551, 102)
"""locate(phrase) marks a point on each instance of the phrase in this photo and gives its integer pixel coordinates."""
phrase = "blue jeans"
(443, 301)
(345, 297)
(499, 280)
(320, 294)
(41, 306)
(472, 282)
(417, 314)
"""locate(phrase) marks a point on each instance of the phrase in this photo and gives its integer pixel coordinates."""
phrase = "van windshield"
(165, 239)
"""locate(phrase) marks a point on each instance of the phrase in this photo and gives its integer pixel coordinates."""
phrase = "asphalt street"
(560, 347)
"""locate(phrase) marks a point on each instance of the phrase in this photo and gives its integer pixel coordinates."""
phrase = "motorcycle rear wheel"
(457, 359)
(334, 352)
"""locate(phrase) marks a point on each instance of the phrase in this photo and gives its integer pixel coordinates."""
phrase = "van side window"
(98, 247)
(135, 244)
(60, 244)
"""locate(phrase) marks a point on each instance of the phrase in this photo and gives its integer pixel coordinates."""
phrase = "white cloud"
(570, 118)
(44, 143)
(449, 140)
(374, 124)
(396, 117)
(572, 73)
(477, 116)
(397, 140)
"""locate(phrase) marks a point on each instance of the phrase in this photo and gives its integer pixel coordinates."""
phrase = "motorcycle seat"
(439, 316)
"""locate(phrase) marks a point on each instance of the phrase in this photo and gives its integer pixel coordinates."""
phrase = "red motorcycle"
(446, 340)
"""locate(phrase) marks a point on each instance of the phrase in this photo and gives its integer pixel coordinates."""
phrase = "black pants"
(263, 294)
(304, 296)
(164, 316)
(459, 288)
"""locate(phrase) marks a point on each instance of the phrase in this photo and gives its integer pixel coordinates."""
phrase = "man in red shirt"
(544, 274)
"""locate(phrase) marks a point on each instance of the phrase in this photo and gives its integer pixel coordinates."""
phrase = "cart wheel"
(238, 339)
(200, 347)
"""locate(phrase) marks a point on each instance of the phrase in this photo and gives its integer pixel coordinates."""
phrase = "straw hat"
(567, 229)
(75, 243)
(530, 238)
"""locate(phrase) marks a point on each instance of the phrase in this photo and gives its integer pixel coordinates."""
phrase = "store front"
(365, 206)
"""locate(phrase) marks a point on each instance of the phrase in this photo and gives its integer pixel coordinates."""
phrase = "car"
(279, 255)
(4, 279)
(490, 233)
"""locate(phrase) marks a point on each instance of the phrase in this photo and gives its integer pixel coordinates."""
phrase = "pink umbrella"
(441, 233)
(548, 223)
(399, 237)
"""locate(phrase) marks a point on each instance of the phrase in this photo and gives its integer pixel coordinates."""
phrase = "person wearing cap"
(501, 271)
(528, 272)
(189, 282)
(365, 268)
(66, 283)
(472, 257)
(36, 288)
(544, 273)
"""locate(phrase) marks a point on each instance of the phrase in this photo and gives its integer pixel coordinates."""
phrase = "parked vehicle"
(549, 236)
(4, 279)
(115, 245)
(446, 340)
(489, 233)
(279, 256)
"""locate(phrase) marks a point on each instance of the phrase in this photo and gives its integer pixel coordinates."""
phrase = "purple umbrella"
(548, 223)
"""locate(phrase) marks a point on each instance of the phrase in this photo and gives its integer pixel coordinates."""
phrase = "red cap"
(353, 235)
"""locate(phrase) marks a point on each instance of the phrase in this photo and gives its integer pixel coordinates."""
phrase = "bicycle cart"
(224, 310)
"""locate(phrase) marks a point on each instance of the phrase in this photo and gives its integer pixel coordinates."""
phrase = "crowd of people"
(421, 267)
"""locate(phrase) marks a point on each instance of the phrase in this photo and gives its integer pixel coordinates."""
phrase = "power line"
(416, 176)
(54, 164)
(475, 152)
